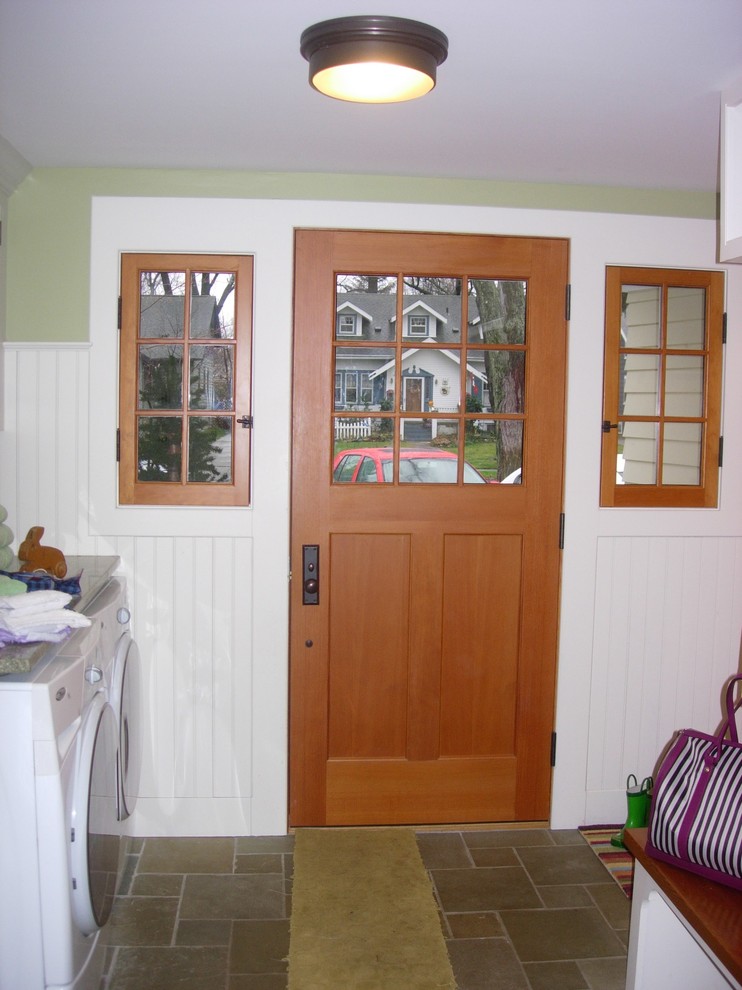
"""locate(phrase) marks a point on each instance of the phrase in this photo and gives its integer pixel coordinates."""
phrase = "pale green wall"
(49, 221)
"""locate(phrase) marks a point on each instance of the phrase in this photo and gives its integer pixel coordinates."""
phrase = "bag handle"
(732, 707)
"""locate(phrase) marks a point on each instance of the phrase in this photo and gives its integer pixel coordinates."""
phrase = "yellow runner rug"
(363, 914)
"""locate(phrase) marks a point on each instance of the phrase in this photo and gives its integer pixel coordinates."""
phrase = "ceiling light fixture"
(370, 59)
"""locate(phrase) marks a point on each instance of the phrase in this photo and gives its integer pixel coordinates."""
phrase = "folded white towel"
(35, 601)
(16, 622)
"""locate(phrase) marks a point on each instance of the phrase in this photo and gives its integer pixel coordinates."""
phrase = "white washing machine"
(61, 808)
(115, 665)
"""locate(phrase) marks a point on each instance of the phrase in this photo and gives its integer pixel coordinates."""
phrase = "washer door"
(95, 834)
(125, 701)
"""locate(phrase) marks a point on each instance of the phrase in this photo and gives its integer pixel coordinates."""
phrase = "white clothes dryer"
(60, 853)
(115, 665)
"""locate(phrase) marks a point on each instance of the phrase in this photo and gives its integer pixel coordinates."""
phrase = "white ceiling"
(611, 92)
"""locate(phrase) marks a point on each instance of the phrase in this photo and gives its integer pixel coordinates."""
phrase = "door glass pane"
(681, 454)
(429, 465)
(431, 309)
(684, 385)
(641, 313)
(495, 449)
(210, 449)
(211, 377)
(212, 305)
(162, 306)
(686, 318)
(159, 448)
(365, 307)
(495, 381)
(365, 458)
(160, 376)
(364, 378)
(638, 393)
(497, 311)
(639, 452)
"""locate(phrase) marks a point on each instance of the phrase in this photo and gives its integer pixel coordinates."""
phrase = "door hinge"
(721, 451)
(118, 317)
(561, 531)
(552, 756)
(118, 446)
(724, 329)
(568, 302)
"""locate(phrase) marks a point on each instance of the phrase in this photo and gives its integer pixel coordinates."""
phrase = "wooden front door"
(413, 395)
(424, 605)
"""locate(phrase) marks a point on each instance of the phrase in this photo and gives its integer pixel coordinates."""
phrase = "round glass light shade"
(372, 82)
(372, 59)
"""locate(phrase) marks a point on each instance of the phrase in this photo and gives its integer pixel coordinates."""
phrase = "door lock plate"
(310, 574)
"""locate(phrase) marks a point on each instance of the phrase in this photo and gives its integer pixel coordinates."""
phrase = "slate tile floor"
(528, 909)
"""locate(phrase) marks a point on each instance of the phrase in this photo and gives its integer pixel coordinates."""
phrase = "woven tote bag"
(695, 819)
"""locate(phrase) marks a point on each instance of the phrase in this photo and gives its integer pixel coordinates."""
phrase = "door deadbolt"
(310, 574)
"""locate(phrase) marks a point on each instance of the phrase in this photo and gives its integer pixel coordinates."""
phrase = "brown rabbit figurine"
(35, 557)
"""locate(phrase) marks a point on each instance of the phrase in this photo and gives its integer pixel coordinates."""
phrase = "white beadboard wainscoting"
(668, 614)
(191, 600)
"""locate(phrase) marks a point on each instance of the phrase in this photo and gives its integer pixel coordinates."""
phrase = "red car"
(430, 466)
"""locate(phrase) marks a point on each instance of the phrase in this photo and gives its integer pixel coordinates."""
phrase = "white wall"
(647, 595)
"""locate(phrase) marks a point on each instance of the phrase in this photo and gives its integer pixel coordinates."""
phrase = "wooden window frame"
(132, 490)
(659, 495)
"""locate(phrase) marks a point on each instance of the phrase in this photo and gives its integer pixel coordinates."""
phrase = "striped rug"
(618, 862)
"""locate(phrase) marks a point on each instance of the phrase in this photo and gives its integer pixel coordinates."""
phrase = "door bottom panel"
(380, 792)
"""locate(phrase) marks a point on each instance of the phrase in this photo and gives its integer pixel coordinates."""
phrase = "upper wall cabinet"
(730, 213)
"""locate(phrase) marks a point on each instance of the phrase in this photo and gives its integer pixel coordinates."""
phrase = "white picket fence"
(352, 429)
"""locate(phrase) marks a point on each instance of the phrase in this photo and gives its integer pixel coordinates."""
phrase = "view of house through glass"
(429, 379)
(184, 372)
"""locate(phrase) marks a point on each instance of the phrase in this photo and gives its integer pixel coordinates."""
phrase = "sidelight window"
(662, 387)
(184, 400)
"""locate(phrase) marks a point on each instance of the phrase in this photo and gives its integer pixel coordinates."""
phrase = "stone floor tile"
(265, 844)
(259, 863)
(443, 850)
(187, 855)
(614, 905)
(158, 884)
(494, 856)
(484, 889)
(555, 976)
(204, 932)
(187, 968)
(141, 921)
(605, 974)
(475, 924)
(259, 947)
(567, 933)
(516, 837)
(565, 895)
(567, 836)
(562, 864)
(485, 964)
(255, 895)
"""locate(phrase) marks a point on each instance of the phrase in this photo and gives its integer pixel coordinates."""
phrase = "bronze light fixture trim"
(373, 59)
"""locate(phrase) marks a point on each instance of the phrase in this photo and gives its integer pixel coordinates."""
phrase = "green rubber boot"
(638, 799)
